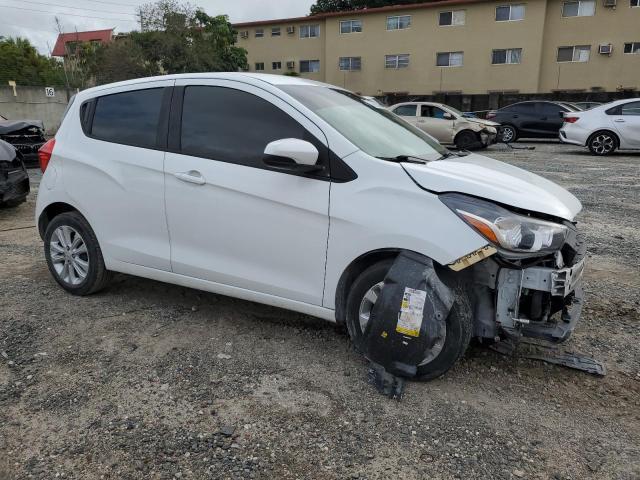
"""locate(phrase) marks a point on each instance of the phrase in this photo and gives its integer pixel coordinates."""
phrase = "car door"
(627, 123)
(407, 112)
(115, 172)
(233, 220)
(549, 118)
(432, 121)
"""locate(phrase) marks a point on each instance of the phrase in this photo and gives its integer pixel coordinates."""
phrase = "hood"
(493, 180)
(12, 126)
(482, 121)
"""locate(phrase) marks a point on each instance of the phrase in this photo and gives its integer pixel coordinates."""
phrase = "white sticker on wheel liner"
(411, 312)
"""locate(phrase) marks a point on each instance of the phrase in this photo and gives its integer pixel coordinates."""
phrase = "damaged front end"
(26, 136)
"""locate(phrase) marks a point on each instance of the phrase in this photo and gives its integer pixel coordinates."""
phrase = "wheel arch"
(50, 212)
(603, 130)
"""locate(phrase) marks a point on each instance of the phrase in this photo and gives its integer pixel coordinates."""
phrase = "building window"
(634, 3)
(579, 53)
(351, 26)
(259, 32)
(452, 18)
(632, 47)
(509, 13)
(310, 31)
(275, 32)
(350, 63)
(507, 56)
(398, 22)
(396, 61)
(449, 59)
(309, 66)
(259, 66)
(581, 8)
(276, 65)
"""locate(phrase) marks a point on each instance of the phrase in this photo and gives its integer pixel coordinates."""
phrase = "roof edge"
(390, 8)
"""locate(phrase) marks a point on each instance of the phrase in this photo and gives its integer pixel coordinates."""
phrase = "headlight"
(506, 229)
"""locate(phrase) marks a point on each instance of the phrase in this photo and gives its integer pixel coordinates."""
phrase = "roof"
(102, 36)
(364, 11)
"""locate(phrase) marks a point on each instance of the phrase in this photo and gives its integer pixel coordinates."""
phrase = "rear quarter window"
(129, 118)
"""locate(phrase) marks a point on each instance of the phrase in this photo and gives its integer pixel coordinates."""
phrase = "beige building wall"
(539, 35)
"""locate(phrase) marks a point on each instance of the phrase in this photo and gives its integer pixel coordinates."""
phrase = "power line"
(43, 12)
(28, 28)
(116, 3)
(76, 8)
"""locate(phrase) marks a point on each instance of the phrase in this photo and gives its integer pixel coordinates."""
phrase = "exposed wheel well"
(49, 213)
(604, 130)
(352, 272)
(465, 131)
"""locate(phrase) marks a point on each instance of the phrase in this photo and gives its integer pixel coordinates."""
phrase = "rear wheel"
(509, 134)
(73, 255)
(448, 348)
(602, 143)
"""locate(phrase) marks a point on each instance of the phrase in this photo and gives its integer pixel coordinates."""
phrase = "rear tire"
(509, 134)
(602, 143)
(73, 255)
(458, 323)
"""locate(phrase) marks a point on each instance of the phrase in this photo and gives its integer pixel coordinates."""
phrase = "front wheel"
(73, 255)
(602, 143)
(466, 140)
(451, 345)
(509, 134)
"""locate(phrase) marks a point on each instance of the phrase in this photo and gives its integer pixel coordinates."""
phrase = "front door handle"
(192, 176)
(619, 120)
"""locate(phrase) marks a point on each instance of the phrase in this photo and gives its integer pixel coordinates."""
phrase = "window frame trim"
(564, 2)
(300, 27)
(632, 44)
(506, 50)
(573, 54)
(397, 55)
(351, 26)
(386, 22)
(452, 12)
(450, 66)
(510, 5)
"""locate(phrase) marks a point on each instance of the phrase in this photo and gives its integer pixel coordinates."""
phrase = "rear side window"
(406, 111)
(525, 108)
(130, 118)
(232, 126)
(550, 109)
(632, 108)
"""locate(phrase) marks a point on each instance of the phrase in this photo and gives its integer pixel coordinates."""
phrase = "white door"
(627, 123)
(232, 220)
(115, 173)
(432, 121)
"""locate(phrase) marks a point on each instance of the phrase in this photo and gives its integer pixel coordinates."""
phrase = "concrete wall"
(32, 103)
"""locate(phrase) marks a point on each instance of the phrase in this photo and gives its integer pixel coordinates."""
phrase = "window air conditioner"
(605, 49)
(610, 3)
(291, 30)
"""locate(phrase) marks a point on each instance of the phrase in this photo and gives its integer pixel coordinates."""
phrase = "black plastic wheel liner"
(408, 316)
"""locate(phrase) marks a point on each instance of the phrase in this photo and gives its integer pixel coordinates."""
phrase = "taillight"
(491, 115)
(571, 119)
(45, 152)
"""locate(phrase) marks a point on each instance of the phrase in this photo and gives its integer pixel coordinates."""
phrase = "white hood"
(503, 183)
(482, 121)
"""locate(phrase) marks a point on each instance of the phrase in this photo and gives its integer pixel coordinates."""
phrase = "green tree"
(20, 61)
(324, 6)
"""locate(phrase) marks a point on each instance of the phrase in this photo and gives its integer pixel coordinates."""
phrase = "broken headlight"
(503, 228)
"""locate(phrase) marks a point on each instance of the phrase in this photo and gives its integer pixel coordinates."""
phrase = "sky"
(35, 19)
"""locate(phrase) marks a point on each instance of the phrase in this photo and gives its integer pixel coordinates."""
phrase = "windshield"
(375, 131)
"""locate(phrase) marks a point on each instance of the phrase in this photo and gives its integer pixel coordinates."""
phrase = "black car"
(533, 119)
(14, 179)
(27, 136)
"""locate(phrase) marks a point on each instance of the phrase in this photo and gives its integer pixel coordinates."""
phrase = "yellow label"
(473, 257)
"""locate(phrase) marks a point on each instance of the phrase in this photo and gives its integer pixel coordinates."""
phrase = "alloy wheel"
(69, 255)
(603, 144)
(508, 134)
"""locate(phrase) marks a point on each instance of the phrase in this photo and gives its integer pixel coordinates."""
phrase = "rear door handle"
(619, 120)
(192, 176)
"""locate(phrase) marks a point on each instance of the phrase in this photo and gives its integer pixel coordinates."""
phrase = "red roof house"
(65, 44)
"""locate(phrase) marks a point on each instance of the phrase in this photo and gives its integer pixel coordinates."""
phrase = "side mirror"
(292, 154)
(448, 116)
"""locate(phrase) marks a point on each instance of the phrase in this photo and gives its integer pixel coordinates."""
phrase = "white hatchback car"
(300, 195)
(605, 128)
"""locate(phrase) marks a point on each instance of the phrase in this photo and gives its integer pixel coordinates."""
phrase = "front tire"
(602, 143)
(458, 323)
(509, 134)
(466, 140)
(73, 255)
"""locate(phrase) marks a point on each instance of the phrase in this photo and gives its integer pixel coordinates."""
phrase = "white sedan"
(605, 128)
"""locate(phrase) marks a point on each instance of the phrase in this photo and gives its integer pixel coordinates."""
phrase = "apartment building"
(458, 46)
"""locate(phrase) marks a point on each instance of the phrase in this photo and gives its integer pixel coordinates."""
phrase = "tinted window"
(130, 118)
(527, 108)
(550, 109)
(231, 125)
(406, 111)
(632, 108)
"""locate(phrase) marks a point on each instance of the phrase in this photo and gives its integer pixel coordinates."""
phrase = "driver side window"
(433, 112)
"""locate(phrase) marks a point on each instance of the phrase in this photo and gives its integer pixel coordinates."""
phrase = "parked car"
(373, 101)
(14, 180)
(531, 119)
(301, 195)
(448, 125)
(605, 128)
(587, 105)
(27, 136)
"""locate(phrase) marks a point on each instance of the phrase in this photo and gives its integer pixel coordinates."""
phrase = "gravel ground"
(148, 380)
